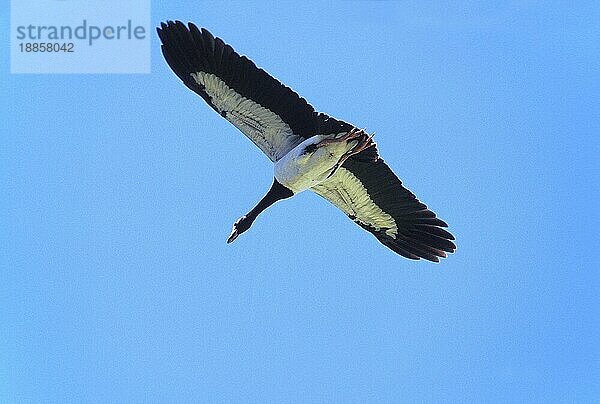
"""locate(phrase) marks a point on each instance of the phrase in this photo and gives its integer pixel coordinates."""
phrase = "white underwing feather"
(346, 192)
(265, 128)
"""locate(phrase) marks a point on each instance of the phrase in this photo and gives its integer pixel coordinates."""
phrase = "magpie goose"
(310, 150)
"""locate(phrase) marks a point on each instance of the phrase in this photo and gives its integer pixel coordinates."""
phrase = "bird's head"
(240, 226)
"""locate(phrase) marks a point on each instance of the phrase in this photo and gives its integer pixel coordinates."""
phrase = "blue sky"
(120, 190)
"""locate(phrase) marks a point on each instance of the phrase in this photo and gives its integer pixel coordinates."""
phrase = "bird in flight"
(309, 149)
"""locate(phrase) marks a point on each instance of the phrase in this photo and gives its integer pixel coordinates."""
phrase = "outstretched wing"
(270, 114)
(366, 190)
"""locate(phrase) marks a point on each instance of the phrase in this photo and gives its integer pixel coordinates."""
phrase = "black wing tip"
(421, 240)
(173, 23)
(425, 231)
(418, 252)
(172, 26)
(166, 25)
(430, 242)
(415, 246)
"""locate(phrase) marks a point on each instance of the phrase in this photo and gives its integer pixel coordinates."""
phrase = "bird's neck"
(276, 193)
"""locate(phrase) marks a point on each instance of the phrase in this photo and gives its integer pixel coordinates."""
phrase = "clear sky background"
(118, 192)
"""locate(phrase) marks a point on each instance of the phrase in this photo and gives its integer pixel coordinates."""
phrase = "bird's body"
(299, 170)
(309, 150)
(315, 160)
